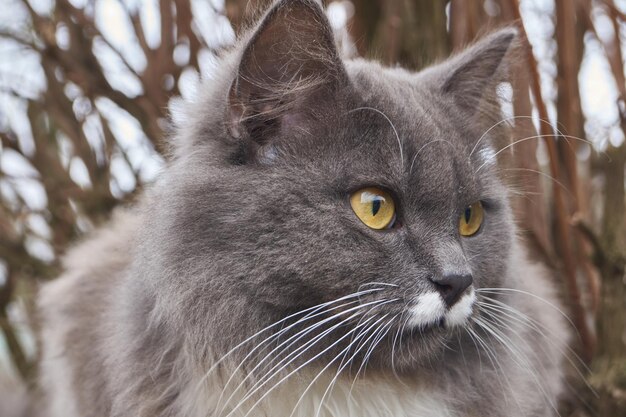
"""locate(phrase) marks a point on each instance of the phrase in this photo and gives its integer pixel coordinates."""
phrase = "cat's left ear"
(290, 70)
(471, 78)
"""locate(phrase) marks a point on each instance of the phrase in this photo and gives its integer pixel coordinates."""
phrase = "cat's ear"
(289, 66)
(471, 78)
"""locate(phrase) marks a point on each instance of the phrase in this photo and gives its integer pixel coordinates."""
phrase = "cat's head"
(340, 199)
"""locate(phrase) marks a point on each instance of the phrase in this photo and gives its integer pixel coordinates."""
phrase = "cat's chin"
(409, 350)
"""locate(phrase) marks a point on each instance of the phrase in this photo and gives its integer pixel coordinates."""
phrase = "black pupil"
(376, 206)
(468, 214)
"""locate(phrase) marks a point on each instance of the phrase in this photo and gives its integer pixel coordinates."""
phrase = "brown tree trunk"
(609, 367)
(411, 33)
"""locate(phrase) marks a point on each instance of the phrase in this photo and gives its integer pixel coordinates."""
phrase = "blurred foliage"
(96, 92)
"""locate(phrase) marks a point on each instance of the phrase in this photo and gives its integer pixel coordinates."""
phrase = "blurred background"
(88, 89)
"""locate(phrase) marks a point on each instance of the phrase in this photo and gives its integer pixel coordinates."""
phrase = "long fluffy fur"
(248, 225)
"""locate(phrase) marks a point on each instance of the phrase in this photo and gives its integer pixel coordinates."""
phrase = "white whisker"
(392, 126)
(495, 363)
(423, 147)
(376, 335)
(342, 366)
(290, 374)
(276, 336)
(299, 335)
(310, 309)
(511, 313)
(535, 296)
(524, 140)
(506, 120)
(519, 359)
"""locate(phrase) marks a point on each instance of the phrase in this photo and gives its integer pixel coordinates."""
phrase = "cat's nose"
(451, 286)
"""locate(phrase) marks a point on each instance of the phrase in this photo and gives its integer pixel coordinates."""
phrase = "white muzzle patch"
(429, 309)
(462, 310)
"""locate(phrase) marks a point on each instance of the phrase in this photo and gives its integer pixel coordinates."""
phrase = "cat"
(330, 238)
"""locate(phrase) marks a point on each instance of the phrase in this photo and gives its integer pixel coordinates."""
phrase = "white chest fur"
(369, 397)
(372, 398)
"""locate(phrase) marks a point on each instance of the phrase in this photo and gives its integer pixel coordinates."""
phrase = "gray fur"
(251, 223)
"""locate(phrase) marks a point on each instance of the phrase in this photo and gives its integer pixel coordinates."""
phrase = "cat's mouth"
(424, 330)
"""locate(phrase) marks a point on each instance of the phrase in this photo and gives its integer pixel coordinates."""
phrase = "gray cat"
(330, 238)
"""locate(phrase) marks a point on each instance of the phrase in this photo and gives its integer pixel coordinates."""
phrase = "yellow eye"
(471, 219)
(374, 207)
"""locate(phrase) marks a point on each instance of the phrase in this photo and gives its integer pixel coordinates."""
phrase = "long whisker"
(292, 372)
(535, 296)
(470, 332)
(375, 343)
(491, 157)
(406, 322)
(379, 284)
(276, 336)
(392, 126)
(342, 367)
(393, 353)
(521, 318)
(495, 363)
(506, 120)
(423, 147)
(265, 378)
(299, 335)
(515, 314)
(458, 338)
(491, 310)
(500, 337)
(271, 326)
(548, 176)
(377, 335)
(353, 341)
(497, 319)
(518, 356)
(374, 331)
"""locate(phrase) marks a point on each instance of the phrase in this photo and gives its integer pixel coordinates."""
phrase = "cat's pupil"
(468, 214)
(376, 206)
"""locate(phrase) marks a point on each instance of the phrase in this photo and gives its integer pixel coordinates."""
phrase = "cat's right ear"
(289, 66)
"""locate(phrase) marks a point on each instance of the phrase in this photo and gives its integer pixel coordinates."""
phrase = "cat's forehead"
(407, 104)
(416, 138)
